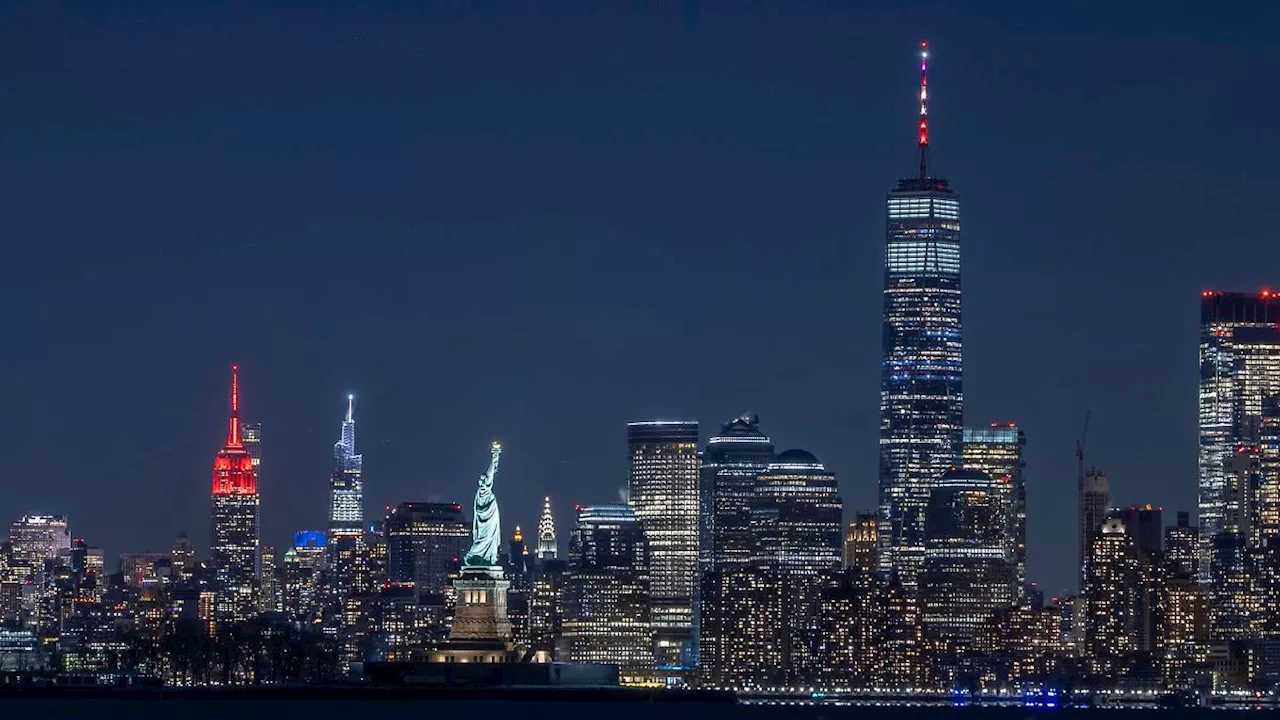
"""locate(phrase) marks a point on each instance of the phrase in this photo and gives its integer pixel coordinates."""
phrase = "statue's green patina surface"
(486, 523)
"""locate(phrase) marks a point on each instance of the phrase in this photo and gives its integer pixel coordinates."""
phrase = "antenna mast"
(924, 108)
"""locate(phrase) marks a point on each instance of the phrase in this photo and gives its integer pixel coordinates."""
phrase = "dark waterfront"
(329, 704)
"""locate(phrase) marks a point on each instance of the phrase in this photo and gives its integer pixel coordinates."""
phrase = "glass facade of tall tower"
(1239, 368)
(730, 465)
(997, 451)
(606, 592)
(921, 398)
(346, 484)
(969, 572)
(664, 493)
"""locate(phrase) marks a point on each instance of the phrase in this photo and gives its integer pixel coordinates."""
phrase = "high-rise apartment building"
(921, 396)
(1112, 582)
(1239, 368)
(1094, 500)
(234, 547)
(731, 463)
(346, 484)
(997, 451)
(664, 493)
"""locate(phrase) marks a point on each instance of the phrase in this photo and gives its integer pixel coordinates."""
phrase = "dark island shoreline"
(366, 693)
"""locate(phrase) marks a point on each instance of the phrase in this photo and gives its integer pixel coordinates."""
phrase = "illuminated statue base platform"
(481, 629)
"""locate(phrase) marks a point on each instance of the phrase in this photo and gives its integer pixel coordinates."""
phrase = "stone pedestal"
(481, 611)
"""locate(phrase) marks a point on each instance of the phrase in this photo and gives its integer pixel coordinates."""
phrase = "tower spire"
(233, 430)
(351, 400)
(924, 109)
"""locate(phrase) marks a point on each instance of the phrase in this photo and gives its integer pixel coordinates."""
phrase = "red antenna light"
(924, 108)
(233, 432)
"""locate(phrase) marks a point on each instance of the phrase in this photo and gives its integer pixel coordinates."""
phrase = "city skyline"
(448, 359)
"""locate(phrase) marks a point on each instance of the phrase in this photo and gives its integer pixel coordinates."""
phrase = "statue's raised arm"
(486, 524)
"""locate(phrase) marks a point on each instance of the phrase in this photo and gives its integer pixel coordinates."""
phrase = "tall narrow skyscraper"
(346, 484)
(997, 451)
(234, 547)
(664, 493)
(548, 549)
(1239, 367)
(730, 465)
(921, 401)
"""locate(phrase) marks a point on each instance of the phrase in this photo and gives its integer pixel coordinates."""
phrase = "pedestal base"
(481, 611)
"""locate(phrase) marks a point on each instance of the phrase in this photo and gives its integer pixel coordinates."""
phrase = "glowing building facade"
(921, 397)
(969, 572)
(547, 546)
(997, 451)
(796, 516)
(731, 463)
(425, 545)
(1239, 368)
(606, 592)
(664, 493)
(234, 547)
(860, 543)
(346, 485)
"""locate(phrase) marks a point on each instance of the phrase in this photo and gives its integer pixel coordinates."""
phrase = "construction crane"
(1080, 451)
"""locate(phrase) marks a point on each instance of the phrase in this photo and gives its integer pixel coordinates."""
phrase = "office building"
(234, 547)
(1239, 367)
(425, 545)
(606, 593)
(860, 543)
(921, 393)
(346, 484)
(796, 516)
(731, 463)
(997, 451)
(969, 570)
(664, 492)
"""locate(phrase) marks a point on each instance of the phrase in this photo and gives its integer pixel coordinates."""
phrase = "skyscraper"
(547, 546)
(1095, 499)
(346, 484)
(425, 543)
(251, 436)
(860, 543)
(921, 398)
(997, 451)
(606, 592)
(234, 547)
(730, 465)
(1239, 367)
(796, 516)
(664, 493)
(969, 572)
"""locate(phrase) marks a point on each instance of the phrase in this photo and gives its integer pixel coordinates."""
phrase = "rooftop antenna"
(924, 108)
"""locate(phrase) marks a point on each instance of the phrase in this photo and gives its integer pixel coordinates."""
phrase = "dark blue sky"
(538, 221)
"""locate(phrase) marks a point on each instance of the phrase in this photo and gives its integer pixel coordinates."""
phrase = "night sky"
(538, 221)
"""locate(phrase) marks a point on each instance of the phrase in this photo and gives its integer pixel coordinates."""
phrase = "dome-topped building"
(797, 515)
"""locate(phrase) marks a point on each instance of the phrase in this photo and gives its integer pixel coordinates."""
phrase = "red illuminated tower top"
(233, 472)
(924, 108)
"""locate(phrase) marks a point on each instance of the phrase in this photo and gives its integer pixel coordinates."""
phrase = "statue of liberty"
(486, 530)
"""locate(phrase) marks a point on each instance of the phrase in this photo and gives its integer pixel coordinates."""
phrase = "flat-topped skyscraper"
(664, 493)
